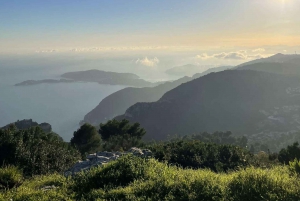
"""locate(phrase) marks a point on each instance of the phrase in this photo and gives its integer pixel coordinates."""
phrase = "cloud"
(235, 56)
(259, 50)
(239, 55)
(203, 56)
(148, 62)
(46, 51)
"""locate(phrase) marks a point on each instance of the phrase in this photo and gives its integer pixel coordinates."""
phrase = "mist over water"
(62, 105)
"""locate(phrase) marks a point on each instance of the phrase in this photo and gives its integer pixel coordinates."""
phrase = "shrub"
(115, 174)
(263, 160)
(174, 184)
(33, 189)
(35, 151)
(131, 178)
(10, 177)
(289, 154)
(27, 194)
(258, 184)
(196, 154)
(295, 166)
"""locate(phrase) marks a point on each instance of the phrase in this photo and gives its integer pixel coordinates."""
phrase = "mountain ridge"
(228, 100)
(117, 103)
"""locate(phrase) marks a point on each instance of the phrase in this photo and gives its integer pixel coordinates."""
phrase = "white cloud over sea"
(238, 55)
(148, 62)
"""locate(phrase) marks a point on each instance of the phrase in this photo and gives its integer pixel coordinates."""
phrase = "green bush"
(160, 181)
(33, 189)
(174, 184)
(258, 184)
(36, 152)
(295, 166)
(27, 194)
(10, 177)
(132, 178)
(197, 154)
(118, 173)
(290, 153)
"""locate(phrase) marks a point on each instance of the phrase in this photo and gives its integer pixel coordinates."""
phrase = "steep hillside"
(277, 58)
(279, 63)
(240, 101)
(274, 67)
(212, 70)
(118, 102)
(187, 70)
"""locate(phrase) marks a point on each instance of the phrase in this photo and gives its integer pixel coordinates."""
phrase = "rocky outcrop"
(27, 123)
(102, 158)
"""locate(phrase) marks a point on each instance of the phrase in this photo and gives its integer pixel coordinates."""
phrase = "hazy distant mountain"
(101, 77)
(118, 102)
(279, 63)
(274, 67)
(212, 70)
(277, 58)
(240, 101)
(185, 70)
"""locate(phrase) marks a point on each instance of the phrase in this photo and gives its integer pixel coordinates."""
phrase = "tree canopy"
(121, 135)
(86, 139)
(121, 128)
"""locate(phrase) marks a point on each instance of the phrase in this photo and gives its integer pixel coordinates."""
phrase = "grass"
(10, 177)
(132, 178)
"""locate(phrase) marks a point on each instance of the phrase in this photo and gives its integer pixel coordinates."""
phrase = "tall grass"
(132, 178)
(10, 177)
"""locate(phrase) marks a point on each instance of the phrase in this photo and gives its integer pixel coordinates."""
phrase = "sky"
(214, 29)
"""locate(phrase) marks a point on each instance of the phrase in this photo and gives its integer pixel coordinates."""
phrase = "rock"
(91, 156)
(102, 158)
(106, 154)
(136, 151)
(47, 188)
(147, 153)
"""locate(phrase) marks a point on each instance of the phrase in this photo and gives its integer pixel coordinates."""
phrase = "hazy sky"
(80, 25)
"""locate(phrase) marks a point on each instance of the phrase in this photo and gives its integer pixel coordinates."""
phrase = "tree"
(121, 128)
(290, 153)
(86, 139)
(121, 135)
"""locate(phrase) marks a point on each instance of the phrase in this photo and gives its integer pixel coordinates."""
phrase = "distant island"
(49, 81)
(101, 77)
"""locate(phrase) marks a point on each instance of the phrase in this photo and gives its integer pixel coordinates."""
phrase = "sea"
(63, 105)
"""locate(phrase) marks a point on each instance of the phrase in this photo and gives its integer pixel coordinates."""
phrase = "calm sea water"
(62, 105)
